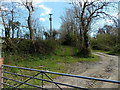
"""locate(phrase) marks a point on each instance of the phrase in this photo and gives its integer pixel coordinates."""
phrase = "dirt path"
(106, 67)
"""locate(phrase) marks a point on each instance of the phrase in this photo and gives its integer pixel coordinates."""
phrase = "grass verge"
(55, 62)
(107, 52)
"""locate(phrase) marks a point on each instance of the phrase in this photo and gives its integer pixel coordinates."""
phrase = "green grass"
(107, 52)
(114, 53)
(101, 51)
(55, 62)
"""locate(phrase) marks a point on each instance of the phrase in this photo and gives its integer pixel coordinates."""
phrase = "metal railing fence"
(45, 74)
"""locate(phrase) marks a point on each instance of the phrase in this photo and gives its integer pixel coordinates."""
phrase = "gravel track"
(106, 67)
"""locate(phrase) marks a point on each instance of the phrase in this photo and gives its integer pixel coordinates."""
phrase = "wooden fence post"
(1, 74)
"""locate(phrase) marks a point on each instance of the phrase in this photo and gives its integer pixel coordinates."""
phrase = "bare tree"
(29, 6)
(12, 11)
(38, 28)
(8, 17)
(87, 11)
(68, 21)
(5, 20)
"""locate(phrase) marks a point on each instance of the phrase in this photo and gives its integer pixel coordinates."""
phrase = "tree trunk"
(86, 44)
(6, 33)
(12, 24)
(18, 33)
(30, 25)
(81, 37)
(12, 32)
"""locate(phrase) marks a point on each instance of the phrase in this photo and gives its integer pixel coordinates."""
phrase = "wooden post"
(1, 74)
(1, 63)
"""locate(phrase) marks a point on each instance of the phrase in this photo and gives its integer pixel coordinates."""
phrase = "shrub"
(69, 39)
(26, 46)
(52, 44)
(97, 44)
(115, 49)
(10, 45)
(45, 47)
(84, 52)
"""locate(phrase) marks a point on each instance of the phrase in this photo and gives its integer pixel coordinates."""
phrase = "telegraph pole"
(50, 24)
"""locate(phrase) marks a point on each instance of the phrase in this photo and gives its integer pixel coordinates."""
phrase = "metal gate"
(44, 75)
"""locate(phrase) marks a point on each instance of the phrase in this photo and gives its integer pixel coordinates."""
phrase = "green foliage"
(107, 41)
(27, 46)
(69, 39)
(10, 45)
(50, 45)
(64, 51)
(84, 52)
(47, 35)
(62, 54)
(115, 50)
(54, 34)
(57, 62)
(103, 42)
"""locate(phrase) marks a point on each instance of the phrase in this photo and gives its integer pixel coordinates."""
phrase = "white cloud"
(46, 10)
(4, 8)
(35, 4)
(42, 19)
